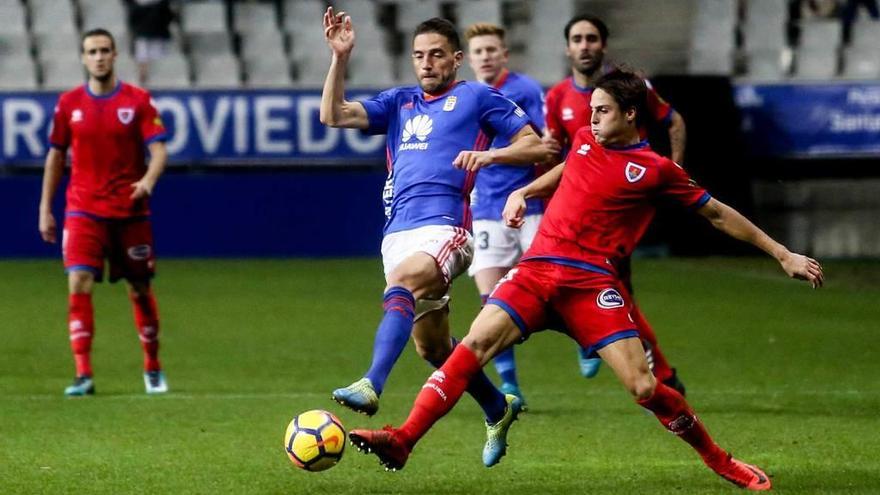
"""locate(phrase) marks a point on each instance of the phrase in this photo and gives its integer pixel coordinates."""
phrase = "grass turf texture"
(783, 376)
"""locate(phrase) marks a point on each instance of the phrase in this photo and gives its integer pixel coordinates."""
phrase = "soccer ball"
(315, 440)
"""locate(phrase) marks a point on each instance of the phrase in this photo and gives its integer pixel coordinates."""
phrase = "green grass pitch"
(783, 376)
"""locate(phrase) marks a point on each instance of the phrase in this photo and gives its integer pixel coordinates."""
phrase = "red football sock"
(661, 367)
(146, 318)
(440, 393)
(81, 325)
(677, 416)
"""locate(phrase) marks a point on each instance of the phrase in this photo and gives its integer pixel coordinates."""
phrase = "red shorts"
(126, 243)
(592, 305)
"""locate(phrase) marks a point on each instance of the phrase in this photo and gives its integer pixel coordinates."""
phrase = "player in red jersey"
(106, 123)
(603, 204)
(568, 109)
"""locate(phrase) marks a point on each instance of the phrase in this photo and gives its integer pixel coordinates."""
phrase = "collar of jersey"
(640, 144)
(108, 95)
(502, 79)
(581, 89)
(428, 97)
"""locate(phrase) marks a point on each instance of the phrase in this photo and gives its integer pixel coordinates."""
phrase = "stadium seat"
(17, 72)
(62, 73)
(821, 34)
(268, 71)
(472, 11)
(361, 11)
(714, 28)
(768, 12)
(52, 16)
(866, 33)
(13, 15)
(267, 42)
(252, 17)
(208, 44)
(216, 70)
(375, 71)
(170, 71)
(13, 44)
(126, 68)
(410, 13)
(710, 62)
(107, 14)
(298, 13)
(765, 65)
(761, 35)
(57, 45)
(860, 62)
(203, 17)
(310, 71)
(816, 64)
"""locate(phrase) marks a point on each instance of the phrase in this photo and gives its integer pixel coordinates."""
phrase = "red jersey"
(568, 109)
(605, 202)
(107, 135)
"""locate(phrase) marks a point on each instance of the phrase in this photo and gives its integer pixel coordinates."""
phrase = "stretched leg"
(415, 278)
(81, 327)
(434, 344)
(627, 359)
(146, 319)
(505, 361)
(492, 331)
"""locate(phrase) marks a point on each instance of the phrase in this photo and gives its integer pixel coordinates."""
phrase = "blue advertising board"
(225, 127)
(810, 120)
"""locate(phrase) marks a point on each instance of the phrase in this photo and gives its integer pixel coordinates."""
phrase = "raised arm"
(542, 187)
(677, 137)
(54, 169)
(525, 148)
(335, 111)
(732, 223)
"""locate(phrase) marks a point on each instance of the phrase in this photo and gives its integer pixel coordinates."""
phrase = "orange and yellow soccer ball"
(315, 440)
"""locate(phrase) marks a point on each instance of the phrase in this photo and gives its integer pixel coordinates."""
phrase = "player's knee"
(642, 387)
(80, 282)
(421, 278)
(436, 355)
(139, 288)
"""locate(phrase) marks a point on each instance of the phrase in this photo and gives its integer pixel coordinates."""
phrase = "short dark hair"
(628, 89)
(603, 29)
(442, 27)
(96, 32)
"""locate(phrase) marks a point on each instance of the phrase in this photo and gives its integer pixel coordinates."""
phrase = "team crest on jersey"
(634, 172)
(419, 127)
(567, 114)
(76, 115)
(126, 115)
(449, 104)
(609, 299)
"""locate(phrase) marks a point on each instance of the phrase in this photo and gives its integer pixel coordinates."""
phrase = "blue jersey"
(425, 134)
(496, 182)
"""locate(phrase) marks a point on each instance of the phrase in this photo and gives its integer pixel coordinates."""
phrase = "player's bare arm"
(542, 187)
(734, 224)
(54, 169)
(335, 110)
(158, 160)
(525, 149)
(677, 137)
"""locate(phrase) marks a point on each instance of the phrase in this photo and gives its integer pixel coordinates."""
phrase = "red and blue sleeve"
(150, 123)
(59, 135)
(678, 186)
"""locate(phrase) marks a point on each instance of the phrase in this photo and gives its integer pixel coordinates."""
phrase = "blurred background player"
(498, 247)
(568, 109)
(150, 22)
(613, 178)
(436, 141)
(106, 123)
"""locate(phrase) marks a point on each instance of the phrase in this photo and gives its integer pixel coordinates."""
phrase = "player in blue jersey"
(438, 136)
(499, 247)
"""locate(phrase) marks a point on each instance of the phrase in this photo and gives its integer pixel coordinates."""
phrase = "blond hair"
(484, 29)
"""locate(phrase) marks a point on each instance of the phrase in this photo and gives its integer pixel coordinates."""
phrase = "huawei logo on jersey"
(583, 150)
(567, 114)
(76, 115)
(634, 172)
(419, 127)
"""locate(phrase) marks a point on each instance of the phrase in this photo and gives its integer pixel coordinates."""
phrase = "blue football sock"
(490, 399)
(505, 365)
(585, 353)
(392, 335)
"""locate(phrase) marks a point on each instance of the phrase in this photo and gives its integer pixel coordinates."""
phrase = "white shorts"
(499, 246)
(451, 247)
(149, 49)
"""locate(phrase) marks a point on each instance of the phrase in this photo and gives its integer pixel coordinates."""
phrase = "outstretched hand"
(514, 210)
(803, 267)
(338, 32)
